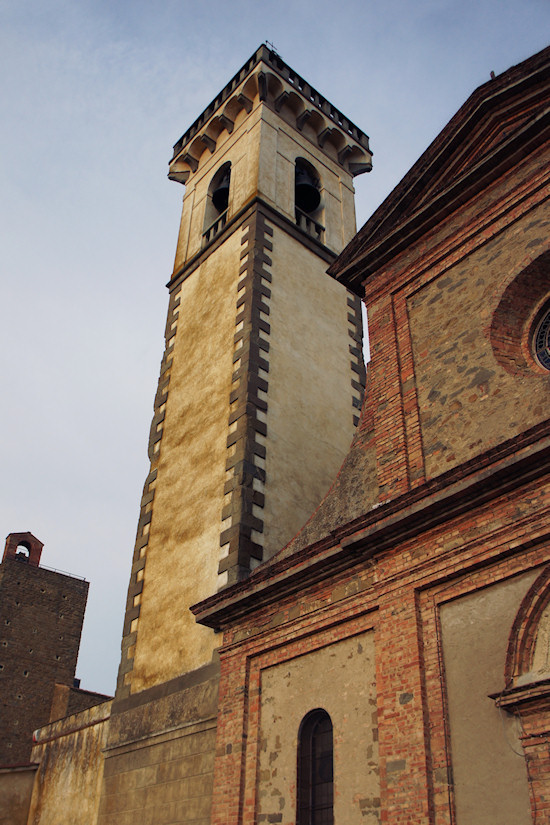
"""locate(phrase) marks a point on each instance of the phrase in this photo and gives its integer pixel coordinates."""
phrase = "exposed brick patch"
(135, 587)
(243, 489)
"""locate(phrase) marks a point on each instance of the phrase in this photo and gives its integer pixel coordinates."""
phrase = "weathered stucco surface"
(159, 755)
(281, 144)
(183, 549)
(541, 656)
(490, 780)
(15, 794)
(339, 678)
(68, 780)
(310, 413)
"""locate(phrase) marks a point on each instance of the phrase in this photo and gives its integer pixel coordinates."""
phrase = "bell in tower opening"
(220, 194)
(306, 187)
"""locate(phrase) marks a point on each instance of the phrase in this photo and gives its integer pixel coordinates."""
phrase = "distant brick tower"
(41, 615)
(262, 377)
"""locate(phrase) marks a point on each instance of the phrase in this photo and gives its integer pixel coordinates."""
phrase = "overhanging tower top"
(267, 79)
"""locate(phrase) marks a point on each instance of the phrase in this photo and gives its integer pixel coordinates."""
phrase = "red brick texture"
(397, 594)
(41, 615)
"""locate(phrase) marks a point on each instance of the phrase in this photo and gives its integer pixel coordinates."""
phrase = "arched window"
(217, 202)
(23, 552)
(520, 327)
(315, 771)
(307, 199)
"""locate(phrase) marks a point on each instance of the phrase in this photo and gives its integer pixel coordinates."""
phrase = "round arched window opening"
(306, 187)
(217, 203)
(315, 782)
(23, 552)
(541, 339)
(219, 188)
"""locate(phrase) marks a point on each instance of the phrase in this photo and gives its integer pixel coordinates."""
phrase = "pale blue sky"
(94, 94)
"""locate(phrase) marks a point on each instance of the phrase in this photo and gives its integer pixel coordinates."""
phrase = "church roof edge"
(457, 161)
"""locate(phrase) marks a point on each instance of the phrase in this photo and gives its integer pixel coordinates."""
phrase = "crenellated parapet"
(267, 79)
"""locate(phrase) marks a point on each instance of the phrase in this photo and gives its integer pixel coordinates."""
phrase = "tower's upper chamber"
(272, 136)
(262, 376)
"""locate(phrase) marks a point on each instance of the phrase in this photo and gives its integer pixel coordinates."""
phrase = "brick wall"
(41, 615)
(399, 594)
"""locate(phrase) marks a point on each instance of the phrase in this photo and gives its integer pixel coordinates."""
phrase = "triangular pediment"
(484, 137)
(509, 112)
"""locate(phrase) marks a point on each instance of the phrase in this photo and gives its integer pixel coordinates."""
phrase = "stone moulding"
(248, 405)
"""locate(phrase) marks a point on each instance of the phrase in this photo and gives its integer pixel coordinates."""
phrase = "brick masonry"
(397, 594)
(41, 615)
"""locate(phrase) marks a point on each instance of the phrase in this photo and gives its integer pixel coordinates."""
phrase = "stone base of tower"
(159, 757)
(151, 755)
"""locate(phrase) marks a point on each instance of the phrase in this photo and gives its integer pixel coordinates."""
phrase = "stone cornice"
(267, 79)
(239, 218)
(500, 124)
(535, 695)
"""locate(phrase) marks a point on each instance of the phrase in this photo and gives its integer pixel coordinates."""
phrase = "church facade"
(385, 659)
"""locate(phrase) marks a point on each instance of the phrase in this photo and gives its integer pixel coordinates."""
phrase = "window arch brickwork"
(517, 313)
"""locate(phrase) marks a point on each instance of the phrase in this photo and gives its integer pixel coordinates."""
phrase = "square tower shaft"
(262, 377)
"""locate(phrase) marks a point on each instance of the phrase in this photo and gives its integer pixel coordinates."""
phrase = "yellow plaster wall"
(68, 781)
(490, 780)
(183, 550)
(281, 144)
(241, 149)
(310, 414)
(16, 786)
(340, 679)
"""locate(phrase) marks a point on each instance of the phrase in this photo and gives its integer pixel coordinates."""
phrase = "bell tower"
(262, 376)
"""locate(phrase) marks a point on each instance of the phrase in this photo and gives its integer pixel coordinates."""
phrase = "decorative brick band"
(245, 465)
(133, 600)
(359, 375)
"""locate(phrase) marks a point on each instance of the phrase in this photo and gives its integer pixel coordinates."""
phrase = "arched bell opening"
(307, 199)
(217, 202)
(23, 552)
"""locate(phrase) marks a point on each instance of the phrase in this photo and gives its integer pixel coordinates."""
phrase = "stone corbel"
(323, 136)
(227, 123)
(262, 85)
(343, 153)
(209, 143)
(360, 168)
(279, 101)
(303, 118)
(245, 102)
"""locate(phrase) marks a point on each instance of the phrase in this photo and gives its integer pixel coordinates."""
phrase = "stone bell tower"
(262, 377)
